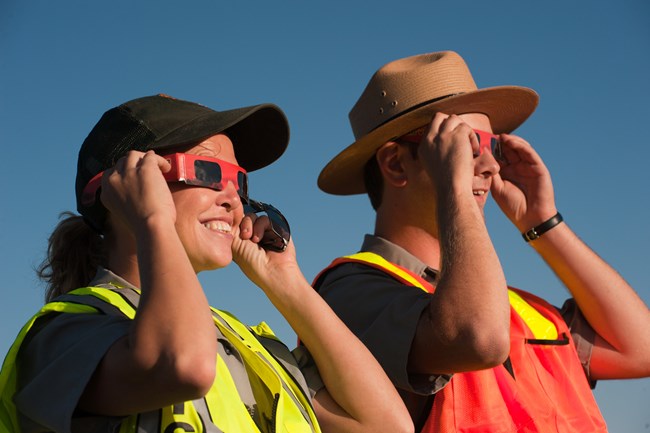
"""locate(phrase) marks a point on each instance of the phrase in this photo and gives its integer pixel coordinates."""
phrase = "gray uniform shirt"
(61, 352)
(384, 314)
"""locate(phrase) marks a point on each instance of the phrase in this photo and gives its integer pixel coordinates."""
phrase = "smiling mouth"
(218, 226)
(479, 192)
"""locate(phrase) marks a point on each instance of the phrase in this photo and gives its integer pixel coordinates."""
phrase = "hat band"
(413, 108)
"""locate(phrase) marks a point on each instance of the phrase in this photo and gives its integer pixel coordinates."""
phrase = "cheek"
(190, 200)
(238, 216)
(423, 179)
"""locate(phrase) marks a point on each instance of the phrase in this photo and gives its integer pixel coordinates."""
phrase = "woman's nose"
(229, 196)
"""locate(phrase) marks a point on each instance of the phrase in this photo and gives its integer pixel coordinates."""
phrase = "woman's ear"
(389, 159)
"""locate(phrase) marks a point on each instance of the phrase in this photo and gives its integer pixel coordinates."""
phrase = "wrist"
(537, 231)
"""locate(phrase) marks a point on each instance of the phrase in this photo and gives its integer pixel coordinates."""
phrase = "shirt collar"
(106, 277)
(398, 255)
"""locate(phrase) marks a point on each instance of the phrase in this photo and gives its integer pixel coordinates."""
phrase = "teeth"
(219, 226)
(479, 192)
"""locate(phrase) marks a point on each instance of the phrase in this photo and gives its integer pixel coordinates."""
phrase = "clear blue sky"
(63, 63)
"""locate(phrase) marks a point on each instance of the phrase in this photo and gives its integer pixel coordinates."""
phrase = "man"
(427, 293)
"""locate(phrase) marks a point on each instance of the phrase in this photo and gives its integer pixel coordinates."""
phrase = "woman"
(161, 183)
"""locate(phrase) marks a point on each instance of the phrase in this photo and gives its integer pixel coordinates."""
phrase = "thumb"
(498, 185)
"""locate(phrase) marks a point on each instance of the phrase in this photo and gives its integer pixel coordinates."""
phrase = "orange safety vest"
(544, 389)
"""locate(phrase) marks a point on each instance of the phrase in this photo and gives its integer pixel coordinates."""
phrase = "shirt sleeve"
(383, 314)
(54, 365)
(582, 333)
(308, 369)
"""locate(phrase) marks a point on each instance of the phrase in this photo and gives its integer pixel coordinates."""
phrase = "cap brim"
(506, 106)
(260, 133)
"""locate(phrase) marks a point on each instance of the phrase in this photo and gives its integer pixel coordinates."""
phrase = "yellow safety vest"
(289, 410)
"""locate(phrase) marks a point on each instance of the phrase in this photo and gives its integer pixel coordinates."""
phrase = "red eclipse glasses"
(490, 142)
(214, 173)
(191, 169)
(487, 141)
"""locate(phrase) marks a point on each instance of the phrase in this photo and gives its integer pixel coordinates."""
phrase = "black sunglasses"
(278, 237)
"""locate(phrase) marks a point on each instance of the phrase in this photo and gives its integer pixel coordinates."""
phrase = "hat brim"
(260, 133)
(506, 106)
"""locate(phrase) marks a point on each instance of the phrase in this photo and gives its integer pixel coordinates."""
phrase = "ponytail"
(73, 253)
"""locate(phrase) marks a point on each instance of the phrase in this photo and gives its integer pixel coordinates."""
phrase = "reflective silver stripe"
(149, 422)
(280, 351)
(271, 348)
(204, 412)
(237, 369)
(131, 295)
(235, 365)
(275, 348)
(289, 392)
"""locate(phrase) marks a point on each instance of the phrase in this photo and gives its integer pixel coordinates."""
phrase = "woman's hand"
(134, 190)
(267, 269)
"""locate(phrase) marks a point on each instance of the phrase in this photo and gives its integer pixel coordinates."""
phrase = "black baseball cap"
(260, 135)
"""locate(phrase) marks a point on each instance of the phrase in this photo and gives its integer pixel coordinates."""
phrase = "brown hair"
(374, 182)
(74, 251)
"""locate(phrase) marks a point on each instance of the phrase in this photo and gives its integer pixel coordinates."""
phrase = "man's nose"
(486, 165)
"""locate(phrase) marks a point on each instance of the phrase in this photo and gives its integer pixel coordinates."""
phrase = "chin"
(219, 261)
(222, 262)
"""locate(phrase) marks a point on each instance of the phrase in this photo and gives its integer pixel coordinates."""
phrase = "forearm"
(169, 354)
(612, 308)
(468, 320)
(471, 274)
(364, 398)
(174, 320)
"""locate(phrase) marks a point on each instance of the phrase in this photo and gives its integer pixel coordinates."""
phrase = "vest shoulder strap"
(541, 327)
(376, 261)
(8, 418)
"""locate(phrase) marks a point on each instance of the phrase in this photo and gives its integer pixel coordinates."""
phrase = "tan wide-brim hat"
(403, 95)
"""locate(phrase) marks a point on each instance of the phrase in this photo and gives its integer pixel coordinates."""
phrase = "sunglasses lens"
(278, 237)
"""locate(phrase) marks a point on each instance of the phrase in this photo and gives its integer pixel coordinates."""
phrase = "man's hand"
(523, 188)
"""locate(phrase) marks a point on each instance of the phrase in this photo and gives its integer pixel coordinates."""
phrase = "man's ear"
(389, 159)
